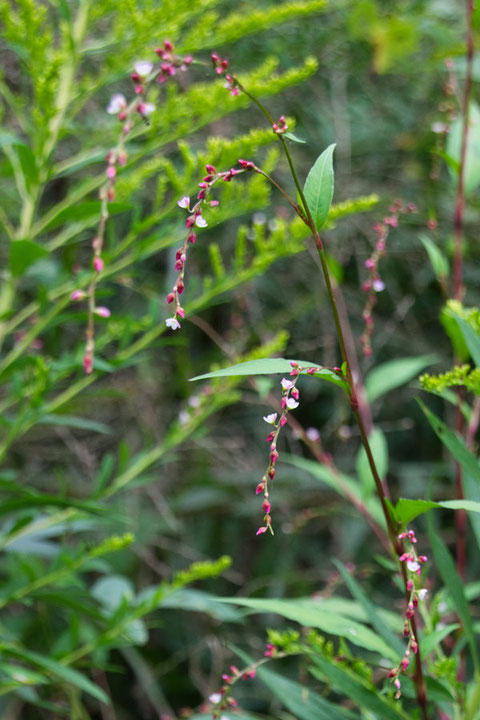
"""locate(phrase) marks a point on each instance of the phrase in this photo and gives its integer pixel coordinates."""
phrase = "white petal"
(270, 419)
(200, 221)
(147, 108)
(286, 384)
(215, 698)
(184, 202)
(172, 323)
(413, 566)
(143, 68)
(422, 593)
(117, 103)
(292, 404)
(378, 285)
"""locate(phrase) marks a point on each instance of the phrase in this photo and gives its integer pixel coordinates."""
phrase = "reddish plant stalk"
(458, 288)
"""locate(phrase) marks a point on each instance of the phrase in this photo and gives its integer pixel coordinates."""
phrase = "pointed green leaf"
(294, 138)
(347, 684)
(429, 642)
(394, 373)
(454, 585)
(454, 443)
(437, 259)
(407, 510)
(318, 188)
(311, 613)
(471, 338)
(67, 674)
(371, 610)
(273, 366)
(24, 253)
(454, 147)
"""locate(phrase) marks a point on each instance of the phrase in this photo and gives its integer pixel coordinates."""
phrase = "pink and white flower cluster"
(196, 220)
(144, 74)
(290, 401)
(413, 565)
(375, 284)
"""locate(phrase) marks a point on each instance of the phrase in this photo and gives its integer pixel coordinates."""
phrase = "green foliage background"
(114, 484)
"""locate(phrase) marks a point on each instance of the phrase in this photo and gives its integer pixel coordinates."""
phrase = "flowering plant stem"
(305, 214)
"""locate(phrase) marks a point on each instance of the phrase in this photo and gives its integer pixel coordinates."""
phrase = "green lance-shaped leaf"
(318, 188)
(274, 366)
(455, 444)
(453, 583)
(407, 510)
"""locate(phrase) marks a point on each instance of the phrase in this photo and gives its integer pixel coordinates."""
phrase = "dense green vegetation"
(132, 578)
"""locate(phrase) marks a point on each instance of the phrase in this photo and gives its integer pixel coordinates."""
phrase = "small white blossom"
(422, 593)
(312, 434)
(200, 221)
(215, 698)
(413, 566)
(292, 404)
(270, 419)
(146, 108)
(184, 202)
(286, 384)
(117, 104)
(378, 285)
(172, 323)
(183, 417)
(143, 68)
(440, 127)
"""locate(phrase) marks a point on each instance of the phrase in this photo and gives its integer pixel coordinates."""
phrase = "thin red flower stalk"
(144, 76)
(290, 401)
(375, 284)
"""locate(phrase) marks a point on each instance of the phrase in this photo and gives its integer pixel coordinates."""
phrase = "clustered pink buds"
(222, 700)
(280, 127)
(413, 564)
(290, 401)
(375, 284)
(221, 67)
(195, 220)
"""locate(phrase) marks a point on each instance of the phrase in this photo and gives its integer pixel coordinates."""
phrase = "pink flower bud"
(102, 311)
(180, 311)
(78, 295)
(88, 363)
(266, 506)
(98, 264)
(261, 530)
(259, 489)
(192, 237)
(170, 297)
(111, 195)
(111, 172)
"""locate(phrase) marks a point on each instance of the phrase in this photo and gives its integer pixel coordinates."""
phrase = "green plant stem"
(397, 545)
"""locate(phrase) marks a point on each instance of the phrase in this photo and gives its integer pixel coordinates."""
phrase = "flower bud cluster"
(196, 220)
(413, 566)
(221, 67)
(144, 75)
(280, 127)
(290, 401)
(375, 284)
(223, 700)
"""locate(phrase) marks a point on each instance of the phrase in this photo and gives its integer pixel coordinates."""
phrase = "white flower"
(440, 127)
(184, 202)
(200, 221)
(172, 323)
(286, 384)
(146, 108)
(183, 417)
(270, 419)
(143, 68)
(215, 698)
(292, 404)
(312, 434)
(422, 593)
(378, 285)
(413, 566)
(117, 104)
